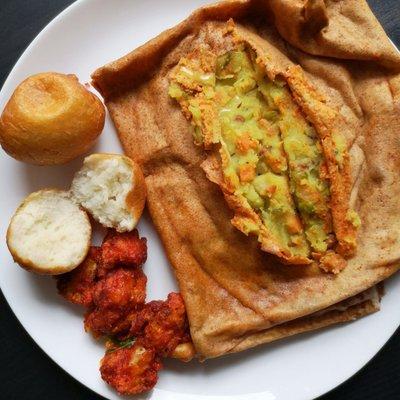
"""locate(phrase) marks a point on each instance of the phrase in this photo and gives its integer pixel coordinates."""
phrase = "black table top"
(26, 372)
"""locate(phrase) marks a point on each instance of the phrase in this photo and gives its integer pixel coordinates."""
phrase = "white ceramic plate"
(85, 36)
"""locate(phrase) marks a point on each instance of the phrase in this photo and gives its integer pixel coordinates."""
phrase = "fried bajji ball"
(163, 324)
(77, 286)
(131, 370)
(116, 298)
(123, 249)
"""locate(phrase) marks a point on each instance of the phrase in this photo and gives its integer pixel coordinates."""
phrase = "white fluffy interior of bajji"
(101, 187)
(50, 230)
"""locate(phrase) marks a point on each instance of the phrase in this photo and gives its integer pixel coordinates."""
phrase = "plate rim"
(164, 394)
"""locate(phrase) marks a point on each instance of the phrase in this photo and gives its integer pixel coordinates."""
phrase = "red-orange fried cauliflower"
(123, 249)
(163, 324)
(131, 370)
(121, 287)
(116, 298)
(77, 286)
(111, 284)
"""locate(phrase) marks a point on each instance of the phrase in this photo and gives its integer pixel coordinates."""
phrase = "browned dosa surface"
(233, 292)
(350, 309)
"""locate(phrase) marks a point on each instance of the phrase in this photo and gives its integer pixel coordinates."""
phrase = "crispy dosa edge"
(230, 289)
(348, 310)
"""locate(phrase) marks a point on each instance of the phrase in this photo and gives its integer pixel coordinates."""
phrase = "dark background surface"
(26, 372)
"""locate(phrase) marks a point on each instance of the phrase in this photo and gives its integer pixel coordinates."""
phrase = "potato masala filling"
(273, 170)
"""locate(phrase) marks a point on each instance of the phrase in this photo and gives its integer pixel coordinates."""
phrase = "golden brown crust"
(136, 198)
(29, 265)
(50, 119)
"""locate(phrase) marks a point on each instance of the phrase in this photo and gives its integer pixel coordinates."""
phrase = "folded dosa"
(236, 296)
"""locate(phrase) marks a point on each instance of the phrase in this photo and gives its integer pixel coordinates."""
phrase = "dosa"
(237, 296)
